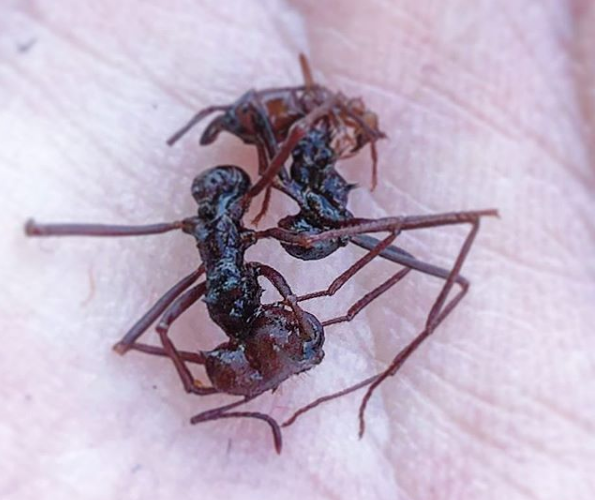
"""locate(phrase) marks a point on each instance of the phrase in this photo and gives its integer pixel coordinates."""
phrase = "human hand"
(484, 106)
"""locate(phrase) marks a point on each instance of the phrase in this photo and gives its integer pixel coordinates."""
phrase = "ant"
(290, 115)
(322, 196)
(265, 118)
(268, 343)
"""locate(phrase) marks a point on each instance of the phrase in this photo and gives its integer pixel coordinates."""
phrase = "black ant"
(267, 342)
(322, 196)
(270, 117)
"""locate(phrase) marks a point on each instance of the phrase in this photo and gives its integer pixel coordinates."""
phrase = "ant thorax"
(233, 292)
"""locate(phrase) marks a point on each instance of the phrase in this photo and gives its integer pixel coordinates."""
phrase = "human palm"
(484, 105)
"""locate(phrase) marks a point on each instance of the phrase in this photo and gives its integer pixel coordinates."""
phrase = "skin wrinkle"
(549, 83)
(481, 80)
(81, 46)
(54, 102)
(521, 131)
(583, 425)
(509, 413)
(465, 427)
(83, 191)
(479, 457)
(442, 53)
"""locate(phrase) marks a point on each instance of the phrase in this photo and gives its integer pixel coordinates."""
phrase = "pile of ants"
(311, 128)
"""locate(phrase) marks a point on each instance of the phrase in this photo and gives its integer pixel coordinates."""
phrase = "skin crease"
(486, 104)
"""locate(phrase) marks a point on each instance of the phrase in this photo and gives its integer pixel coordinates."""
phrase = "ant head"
(275, 349)
(220, 189)
(280, 345)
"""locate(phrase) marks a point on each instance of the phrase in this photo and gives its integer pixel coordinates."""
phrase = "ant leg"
(373, 380)
(375, 160)
(437, 315)
(343, 278)
(152, 350)
(370, 380)
(262, 155)
(328, 397)
(222, 412)
(373, 136)
(400, 256)
(32, 228)
(141, 326)
(193, 121)
(280, 283)
(354, 227)
(180, 305)
(381, 249)
(368, 298)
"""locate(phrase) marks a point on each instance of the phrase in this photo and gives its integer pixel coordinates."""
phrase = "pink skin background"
(486, 104)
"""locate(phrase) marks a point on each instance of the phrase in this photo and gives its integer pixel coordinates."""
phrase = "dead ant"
(269, 117)
(267, 342)
(322, 196)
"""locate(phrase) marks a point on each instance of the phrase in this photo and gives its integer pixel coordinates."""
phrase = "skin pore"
(485, 105)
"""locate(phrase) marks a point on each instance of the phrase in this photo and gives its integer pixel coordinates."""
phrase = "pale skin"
(485, 105)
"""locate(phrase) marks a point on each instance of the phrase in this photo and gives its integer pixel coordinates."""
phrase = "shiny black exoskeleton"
(268, 343)
(321, 193)
(233, 292)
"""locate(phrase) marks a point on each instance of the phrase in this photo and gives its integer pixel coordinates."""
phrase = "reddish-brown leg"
(194, 121)
(437, 315)
(32, 228)
(222, 412)
(354, 227)
(401, 356)
(309, 81)
(397, 255)
(439, 311)
(197, 358)
(262, 156)
(143, 324)
(171, 314)
(400, 256)
(344, 277)
(279, 282)
(368, 298)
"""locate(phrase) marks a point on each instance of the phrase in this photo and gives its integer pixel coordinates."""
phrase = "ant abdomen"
(275, 350)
